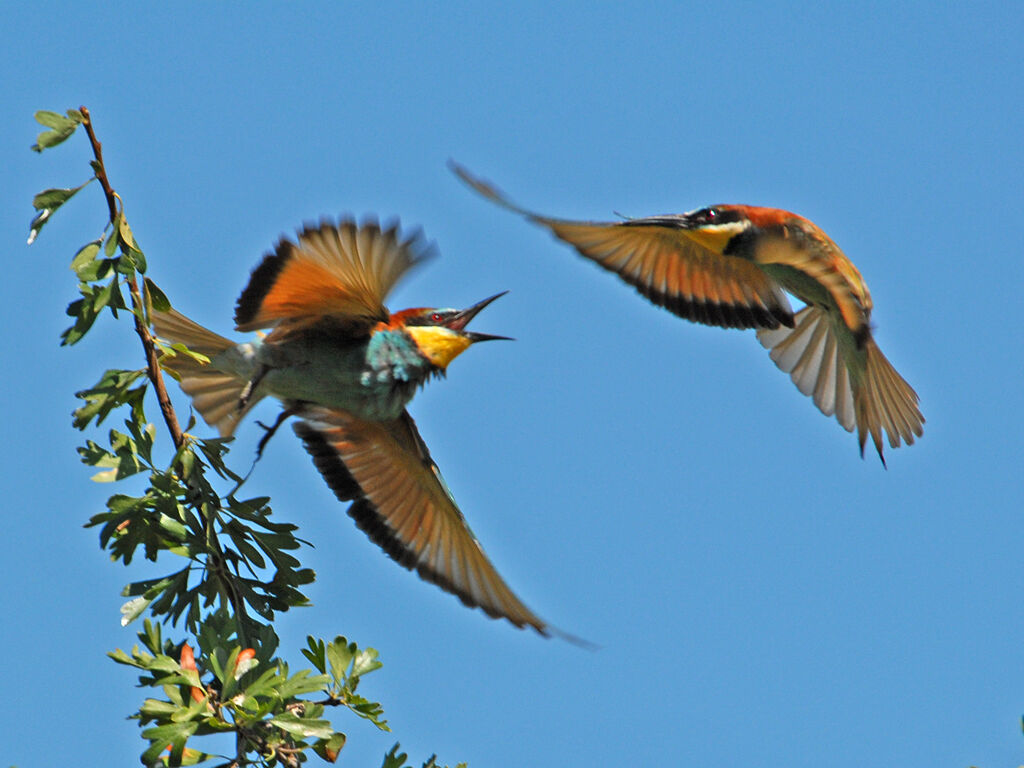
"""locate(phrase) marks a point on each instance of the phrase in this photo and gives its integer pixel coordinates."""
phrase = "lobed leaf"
(111, 391)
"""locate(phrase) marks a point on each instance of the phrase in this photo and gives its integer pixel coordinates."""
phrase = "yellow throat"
(439, 345)
(715, 237)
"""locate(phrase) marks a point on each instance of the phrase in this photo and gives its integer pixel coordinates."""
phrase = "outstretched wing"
(665, 264)
(401, 502)
(336, 273)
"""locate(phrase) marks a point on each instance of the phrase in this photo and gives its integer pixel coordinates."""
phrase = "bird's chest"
(374, 379)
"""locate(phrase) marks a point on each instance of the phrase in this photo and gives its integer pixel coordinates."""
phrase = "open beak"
(461, 319)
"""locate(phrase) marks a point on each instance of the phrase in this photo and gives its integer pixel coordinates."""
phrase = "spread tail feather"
(872, 396)
(215, 394)
(886, 402)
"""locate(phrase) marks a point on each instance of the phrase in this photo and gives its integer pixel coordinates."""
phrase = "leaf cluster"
(230, 689)
(231, 567)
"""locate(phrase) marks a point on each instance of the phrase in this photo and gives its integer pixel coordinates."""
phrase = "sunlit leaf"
(304, 728)
(52, 119)
(131, 610)
(365, 662)
(61, 128)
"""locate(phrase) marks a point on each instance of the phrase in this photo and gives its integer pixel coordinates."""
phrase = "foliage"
(231, 569)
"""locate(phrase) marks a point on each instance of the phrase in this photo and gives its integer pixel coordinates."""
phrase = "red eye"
(711, 214)
(435, 317)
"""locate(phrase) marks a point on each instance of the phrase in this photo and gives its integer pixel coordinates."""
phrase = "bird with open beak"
(347, 367)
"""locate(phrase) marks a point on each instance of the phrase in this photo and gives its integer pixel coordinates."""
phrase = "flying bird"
(732, 266)
(347, 367)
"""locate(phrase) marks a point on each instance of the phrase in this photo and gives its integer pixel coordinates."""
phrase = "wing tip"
(495, 599)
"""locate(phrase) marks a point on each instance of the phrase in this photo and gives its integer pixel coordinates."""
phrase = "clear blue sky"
(761, 595)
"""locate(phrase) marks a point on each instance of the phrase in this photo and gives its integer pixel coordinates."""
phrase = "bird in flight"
(732, 266)
(347, 368)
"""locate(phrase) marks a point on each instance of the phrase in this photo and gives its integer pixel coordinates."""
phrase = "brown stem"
(154, 374)
(152, 367)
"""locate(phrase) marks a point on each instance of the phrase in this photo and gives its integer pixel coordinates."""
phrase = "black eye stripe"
(716, 216)
(429, 318)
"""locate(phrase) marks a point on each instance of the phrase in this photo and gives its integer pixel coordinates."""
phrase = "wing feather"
(339, 273)
(403, 505)
(701, 285)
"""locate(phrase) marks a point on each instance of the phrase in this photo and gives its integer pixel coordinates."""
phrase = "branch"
(155, 376)
(152, 367)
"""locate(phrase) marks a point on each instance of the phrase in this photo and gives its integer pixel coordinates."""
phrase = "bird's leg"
(288, 411)
(243, 399)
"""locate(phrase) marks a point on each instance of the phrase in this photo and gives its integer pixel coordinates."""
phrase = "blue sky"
(760, 594)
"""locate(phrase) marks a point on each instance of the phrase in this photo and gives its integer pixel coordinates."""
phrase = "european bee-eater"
(347, 367)
(731, 266)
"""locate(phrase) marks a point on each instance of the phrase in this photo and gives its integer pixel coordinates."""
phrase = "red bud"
(188, 661)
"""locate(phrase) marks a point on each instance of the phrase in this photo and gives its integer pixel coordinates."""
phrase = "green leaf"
(60, 128)
(111, 391)
(126, 457)
(155, 708)
(173, 527)
(125, 233)
(394, 759)
(87, 309)
(110, 248)
(368, 710)
(180, 349)
(174, 734)
(302, 682)
(130, 249)
(157, 299)
(339, 655)
(365, 662)
(315, 653)
(47, 202)
(52, 119)
(328, 749)
(53, 199)
(302, 727)
(86, 265)
(122, 658)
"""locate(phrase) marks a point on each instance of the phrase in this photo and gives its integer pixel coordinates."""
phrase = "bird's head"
(733, 229)
(440, 334)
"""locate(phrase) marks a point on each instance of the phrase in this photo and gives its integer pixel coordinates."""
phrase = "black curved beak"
(460, 320)
(475, 337)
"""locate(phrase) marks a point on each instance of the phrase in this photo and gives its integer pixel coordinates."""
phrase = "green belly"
(327, 373)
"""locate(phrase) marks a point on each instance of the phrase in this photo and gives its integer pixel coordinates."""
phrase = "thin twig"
(152, 367)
